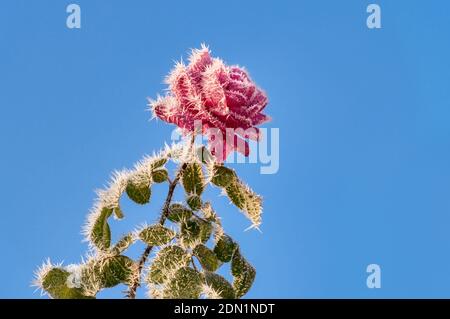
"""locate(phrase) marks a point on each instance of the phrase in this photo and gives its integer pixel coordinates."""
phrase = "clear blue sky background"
(363, 116)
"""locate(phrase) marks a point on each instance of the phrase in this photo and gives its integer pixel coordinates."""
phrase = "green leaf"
(159, 162)
(192, 179)
(140, 194)
(186, 284)
(179, 213)
(220, 285)
(156, 235)
(243, 283)
(225, 248)
(160, 175)
(122, 244)
(55, 283)
(236, 195)
(115, 270)
(253, 207)
(108, 272)
(118, 212)
(206, 229)
(243, 273)
(194, 201)
(91, 277)
(206, 257)
(190, 232)
(101, 233)
(195, 231)
(222, 176)
(246, 200)
(166, 261)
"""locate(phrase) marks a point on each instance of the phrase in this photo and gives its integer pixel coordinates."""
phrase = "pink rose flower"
(220, 101)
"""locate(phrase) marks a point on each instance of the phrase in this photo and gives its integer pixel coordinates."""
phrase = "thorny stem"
(131, 294)
(193, 263)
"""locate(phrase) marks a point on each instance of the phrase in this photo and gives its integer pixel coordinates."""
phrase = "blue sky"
(364, 134)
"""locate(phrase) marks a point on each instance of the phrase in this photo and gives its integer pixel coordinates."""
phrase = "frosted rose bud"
(223, 99)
